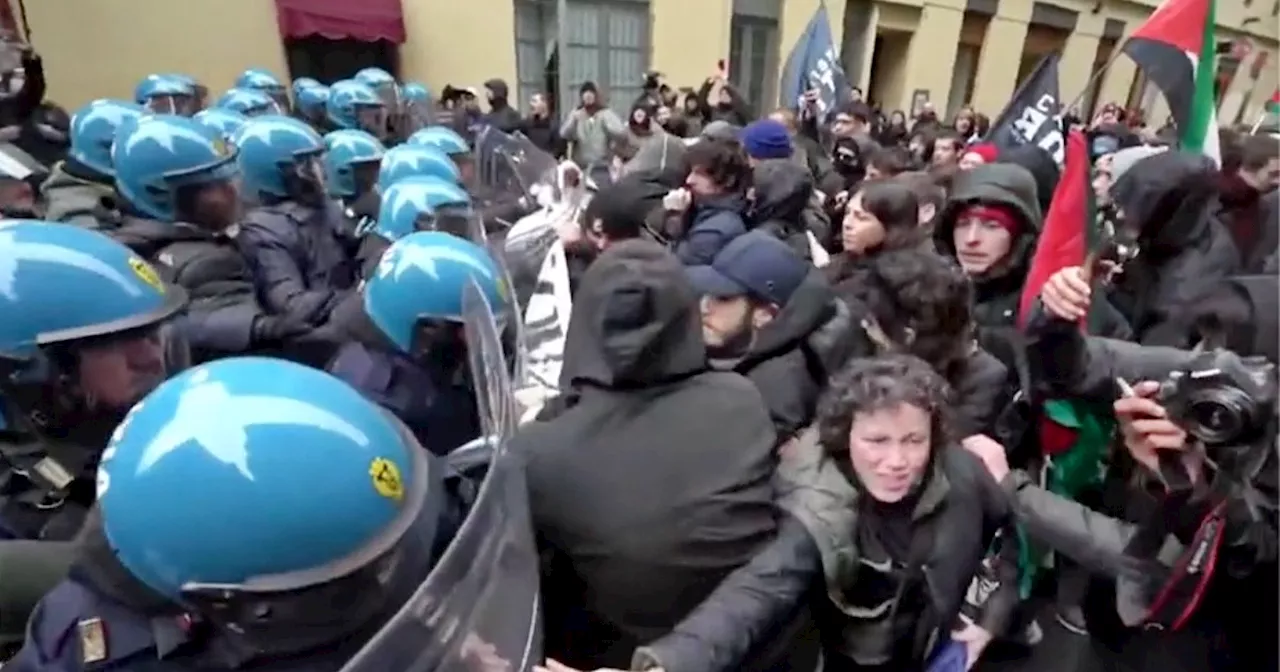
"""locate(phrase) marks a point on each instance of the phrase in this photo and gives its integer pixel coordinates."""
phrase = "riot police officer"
(254, 514)
(353, 104)
(88, 329)
(351, 162)
(178, 177)
(414, 362)
(295, 240)
(258, 79)
(80, 190)
(416, 204)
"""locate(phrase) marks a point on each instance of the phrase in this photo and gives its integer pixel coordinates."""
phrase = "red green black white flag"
(1174, 48)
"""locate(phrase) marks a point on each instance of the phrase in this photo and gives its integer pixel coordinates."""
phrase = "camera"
(1222, 399)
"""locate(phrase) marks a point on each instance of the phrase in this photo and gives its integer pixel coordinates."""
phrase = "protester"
(625, 570)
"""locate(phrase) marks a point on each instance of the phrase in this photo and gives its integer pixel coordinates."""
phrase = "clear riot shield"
(16, 164)
(479, 608)
(512, 164)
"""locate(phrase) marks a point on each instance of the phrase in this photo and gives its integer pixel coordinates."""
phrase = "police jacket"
(73, 195)
(298, 257)
(210, 267)
(438, 408)
(874, 609)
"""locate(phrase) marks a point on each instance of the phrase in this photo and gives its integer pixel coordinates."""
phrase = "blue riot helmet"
(225, 122)
(418, 288)
(273, 500)
(281, 158)
(410, 161)
(417, 106)
(413, 92)
(160, 157)
(303, 83)
(258, 79)
(383, 84)
(352, 104)
(249, 102)
(166, 94)
(427, 204)
(93, 130)
(442, 138)
(448, 141)
(87, 331)
(351, 162)
(202, 91)
(310, 103)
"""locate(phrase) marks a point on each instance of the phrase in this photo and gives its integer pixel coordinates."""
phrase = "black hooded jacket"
(790, 362)
(653, 484)
(782, 193)
(1169, 198)
(997, 291)
(501, 115)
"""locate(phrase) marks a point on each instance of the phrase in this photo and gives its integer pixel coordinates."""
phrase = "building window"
(331, 60)
(536, 54)
(753, 60)
(605, 42)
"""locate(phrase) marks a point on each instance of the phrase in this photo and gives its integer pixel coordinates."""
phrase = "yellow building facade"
(950, 52)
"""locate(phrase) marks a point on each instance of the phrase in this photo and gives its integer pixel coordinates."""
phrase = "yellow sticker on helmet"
(146, 274)
(386, 478)
(221, 147)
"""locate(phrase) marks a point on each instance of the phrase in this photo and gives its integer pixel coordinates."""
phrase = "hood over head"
(994, 184)
(782, 190)
(498, 88)
(1042, 167)
(720, 130)
(664, 153)
(636, 321)
(1124, 159)
(1168, 197)
(624, 204)
(1002, 184)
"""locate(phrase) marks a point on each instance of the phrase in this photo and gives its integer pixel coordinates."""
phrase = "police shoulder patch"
(93, 640)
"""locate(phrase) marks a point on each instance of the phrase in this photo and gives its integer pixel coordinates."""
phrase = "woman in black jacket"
(886, 520)
(881, 216)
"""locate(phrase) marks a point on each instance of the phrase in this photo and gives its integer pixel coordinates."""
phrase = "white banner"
(546, 321)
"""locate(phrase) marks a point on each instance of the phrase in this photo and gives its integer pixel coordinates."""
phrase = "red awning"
(366, 20)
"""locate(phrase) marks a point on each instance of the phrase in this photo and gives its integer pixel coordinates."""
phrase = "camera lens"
(1218, 416)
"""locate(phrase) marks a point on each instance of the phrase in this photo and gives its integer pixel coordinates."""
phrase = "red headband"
(1001, 215)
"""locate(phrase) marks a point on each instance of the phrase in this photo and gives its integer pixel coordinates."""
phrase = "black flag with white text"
(1034, 113)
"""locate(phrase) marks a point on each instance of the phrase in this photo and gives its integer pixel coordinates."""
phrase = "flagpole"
(1258, 124)
(1093, 79)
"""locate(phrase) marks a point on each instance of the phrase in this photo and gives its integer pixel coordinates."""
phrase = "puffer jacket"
(955, 519)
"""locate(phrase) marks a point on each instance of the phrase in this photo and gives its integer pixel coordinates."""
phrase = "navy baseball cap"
(755, 264)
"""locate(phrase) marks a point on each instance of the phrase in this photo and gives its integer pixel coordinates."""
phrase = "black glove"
(271, 331)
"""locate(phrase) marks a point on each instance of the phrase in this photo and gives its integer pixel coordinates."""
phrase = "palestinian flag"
(1273, 105)
(1073, 435)
(1175, 49)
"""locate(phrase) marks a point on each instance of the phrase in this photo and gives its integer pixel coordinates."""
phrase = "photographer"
(1194, 497)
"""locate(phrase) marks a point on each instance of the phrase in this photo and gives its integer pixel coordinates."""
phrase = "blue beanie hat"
(766, 139)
